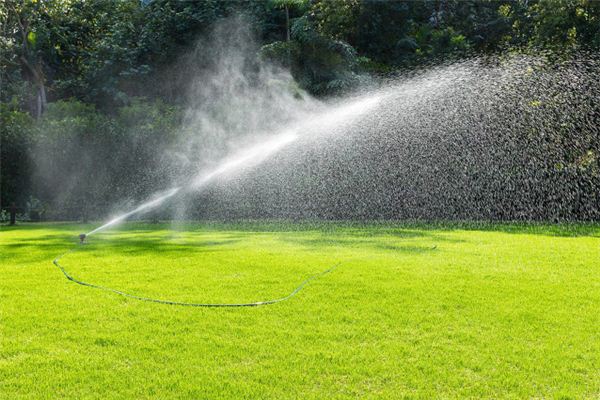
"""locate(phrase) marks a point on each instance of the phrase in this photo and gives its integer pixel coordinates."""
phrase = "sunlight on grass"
(413, 310)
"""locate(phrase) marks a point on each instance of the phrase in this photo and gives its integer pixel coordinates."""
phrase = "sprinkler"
(81, 238)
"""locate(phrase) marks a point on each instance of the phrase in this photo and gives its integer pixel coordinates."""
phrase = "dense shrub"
(15, 144)
(83, 161)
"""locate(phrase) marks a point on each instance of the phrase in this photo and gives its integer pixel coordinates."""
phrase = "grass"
(413, 311)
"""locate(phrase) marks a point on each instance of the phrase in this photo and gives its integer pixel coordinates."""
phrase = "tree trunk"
(38, 106)
(37, 76)
(13, 214)
(32, 64)
(287, 23)
(42, 103)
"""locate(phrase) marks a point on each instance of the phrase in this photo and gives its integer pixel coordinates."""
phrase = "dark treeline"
(105, 83)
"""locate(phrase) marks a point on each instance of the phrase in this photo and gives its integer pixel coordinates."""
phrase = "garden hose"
(179, 303)
(82, 238)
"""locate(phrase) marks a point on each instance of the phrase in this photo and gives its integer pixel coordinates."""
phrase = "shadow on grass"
(50, 246)
(139, 237)
(404, 229)
(589, 229)
(348, 242)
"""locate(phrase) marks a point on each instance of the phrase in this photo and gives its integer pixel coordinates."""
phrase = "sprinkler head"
(81, 238)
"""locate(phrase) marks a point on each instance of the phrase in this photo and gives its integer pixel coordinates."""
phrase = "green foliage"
(284, 53)
(565, 23)
(16, 138)
(435, 42)
(74, 152)
(78, 152)
(383, 31)
(154, 118)
(319, 63)
(108, 55)
(70, 148)
(336, 18)
(108, 52)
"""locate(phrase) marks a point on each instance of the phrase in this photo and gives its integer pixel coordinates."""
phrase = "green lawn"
(417, 311)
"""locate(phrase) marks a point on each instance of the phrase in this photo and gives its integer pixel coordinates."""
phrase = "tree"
(287, 5)
(26, 24)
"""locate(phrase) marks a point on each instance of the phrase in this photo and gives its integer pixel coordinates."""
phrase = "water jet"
(248, 158)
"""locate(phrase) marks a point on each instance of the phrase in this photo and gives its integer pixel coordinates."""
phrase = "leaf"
(32, 38)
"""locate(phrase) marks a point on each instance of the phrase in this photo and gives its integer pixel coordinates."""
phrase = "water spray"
(257, 154)
(251, 157)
